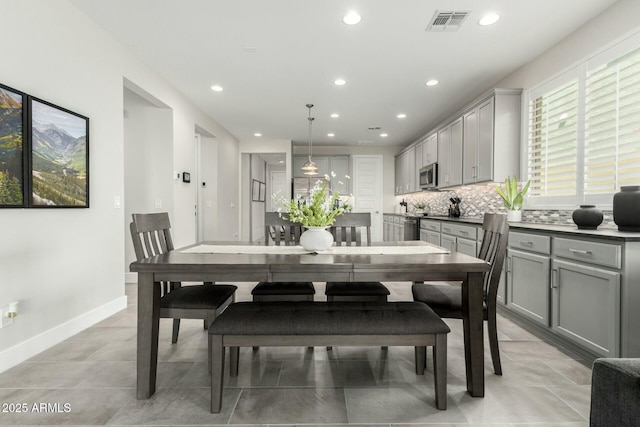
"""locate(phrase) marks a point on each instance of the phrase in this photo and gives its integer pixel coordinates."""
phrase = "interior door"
(367, 191)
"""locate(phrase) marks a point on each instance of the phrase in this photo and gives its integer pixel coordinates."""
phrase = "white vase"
(316, 239)
(514, 216)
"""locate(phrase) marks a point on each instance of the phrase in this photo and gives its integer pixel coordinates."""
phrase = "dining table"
(406, 261)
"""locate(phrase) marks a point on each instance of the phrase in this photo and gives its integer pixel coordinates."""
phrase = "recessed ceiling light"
(280, 161)
(489, 19)
(340, 82)
(401, 116)
(432, 82)
(257, 134)
(383, 135)
(216, 88)
(352, 18)
(335, 115)
(331, 135)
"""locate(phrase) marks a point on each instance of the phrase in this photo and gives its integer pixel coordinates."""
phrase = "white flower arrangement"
(319, 210)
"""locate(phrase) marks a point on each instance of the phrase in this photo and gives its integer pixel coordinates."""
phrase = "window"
(583, 139)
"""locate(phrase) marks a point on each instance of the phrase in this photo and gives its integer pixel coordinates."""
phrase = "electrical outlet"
(4, 320)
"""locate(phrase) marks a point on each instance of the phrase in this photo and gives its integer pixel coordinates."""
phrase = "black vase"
(587, 217)
(626, 208)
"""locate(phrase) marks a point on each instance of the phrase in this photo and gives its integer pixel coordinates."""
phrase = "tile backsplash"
(481, 198)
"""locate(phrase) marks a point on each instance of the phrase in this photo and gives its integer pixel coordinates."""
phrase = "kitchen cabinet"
(430, 231)
(417, 155)
(585, 282)
(527, 275)
(388, 230)
(460, 238)
(450, 155)
(340, 165)
(491, 132)
(430, 150)
(405, 165)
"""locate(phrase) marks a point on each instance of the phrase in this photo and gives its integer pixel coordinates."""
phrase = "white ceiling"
(302, 46)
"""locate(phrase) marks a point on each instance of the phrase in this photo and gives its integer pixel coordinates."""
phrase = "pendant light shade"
(310, 167)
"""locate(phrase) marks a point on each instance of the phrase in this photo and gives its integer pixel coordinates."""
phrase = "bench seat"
(372, 323)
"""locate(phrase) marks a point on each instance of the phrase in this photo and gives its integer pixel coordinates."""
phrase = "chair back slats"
(347, 229)
(280, 231)
(493, 251)
(151, 236)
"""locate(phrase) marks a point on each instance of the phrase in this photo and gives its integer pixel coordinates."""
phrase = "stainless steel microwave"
(429, 177)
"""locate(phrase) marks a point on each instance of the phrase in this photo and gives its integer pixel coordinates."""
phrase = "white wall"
(65, 266)
(387, 153)
(148, 163)
(259, 146)
(615, 22)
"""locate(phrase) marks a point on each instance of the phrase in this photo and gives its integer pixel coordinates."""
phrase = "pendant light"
(309, 167)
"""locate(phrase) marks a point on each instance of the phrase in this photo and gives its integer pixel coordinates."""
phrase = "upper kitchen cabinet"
(340, 165)
(450, 154)
(417, 166)
(430, 150)
(491, 137)
(405, 164)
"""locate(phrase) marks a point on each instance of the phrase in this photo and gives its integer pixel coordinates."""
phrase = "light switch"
(158, 203)
(116, 202)
(209, 204)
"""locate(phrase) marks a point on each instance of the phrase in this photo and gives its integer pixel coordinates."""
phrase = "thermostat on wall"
(186, 177)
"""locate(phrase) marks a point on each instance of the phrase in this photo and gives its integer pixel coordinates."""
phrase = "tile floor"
(90, 380)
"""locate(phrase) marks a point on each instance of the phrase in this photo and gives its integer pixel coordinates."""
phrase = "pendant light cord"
(309, 106)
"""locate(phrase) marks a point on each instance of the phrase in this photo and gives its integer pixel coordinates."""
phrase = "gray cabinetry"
(585, 282)
(450, 155)
(478, 144)
(430, 150)
(417, 155)
(430, 231)
(460, 238)
(527, 275)
(398, 178)
(406, 173)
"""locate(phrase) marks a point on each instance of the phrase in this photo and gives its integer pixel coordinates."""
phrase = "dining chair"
(347, 231)
(151, 236)
(446, 300)
(282, 232)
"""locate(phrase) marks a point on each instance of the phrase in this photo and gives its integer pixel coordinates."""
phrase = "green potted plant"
(420, 207)
(512, 198)
(315, 213)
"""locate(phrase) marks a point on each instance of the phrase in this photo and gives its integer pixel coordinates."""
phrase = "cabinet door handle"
(448, 230)
(464, 232)
(508, 264)
(579, 251)
(526, 243)
(473, 174)
(554, 278)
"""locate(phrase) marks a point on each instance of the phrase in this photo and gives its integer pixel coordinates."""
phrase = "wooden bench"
(248, 324)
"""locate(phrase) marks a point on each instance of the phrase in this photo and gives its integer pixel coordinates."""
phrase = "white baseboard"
(29, 348)
(130, 277)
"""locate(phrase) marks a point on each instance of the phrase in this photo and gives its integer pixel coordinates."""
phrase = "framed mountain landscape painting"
(12, 147)
(59, 157)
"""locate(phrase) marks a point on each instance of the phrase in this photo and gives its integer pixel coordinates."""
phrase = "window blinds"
(552, 142)
(612, 125)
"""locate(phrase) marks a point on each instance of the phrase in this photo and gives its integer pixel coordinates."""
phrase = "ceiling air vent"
(447, 20)
(374, 128)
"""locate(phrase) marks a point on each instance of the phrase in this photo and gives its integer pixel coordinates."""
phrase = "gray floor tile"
(116, 351)
(176, 406)
(290, 406)
(510, 404)
(252, 374)
(398, 405)
(68, 351)
(578, 397)
(574, 370)
(106, 374)
(103, 335)
(45, 375)
(528, 350)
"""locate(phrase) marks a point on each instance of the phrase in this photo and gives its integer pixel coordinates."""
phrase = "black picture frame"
(13, 148)
(255, 190)
(263, 192)
(58, 156)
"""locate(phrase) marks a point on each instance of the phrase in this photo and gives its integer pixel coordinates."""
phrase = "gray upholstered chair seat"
(615, 393)
(356, 288)
(283, 288)
(328, 318)
(443, 299)
(198, 297)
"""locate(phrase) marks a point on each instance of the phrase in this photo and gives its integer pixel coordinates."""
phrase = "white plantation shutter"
(552, 141)
(612, 125)
(583, 139)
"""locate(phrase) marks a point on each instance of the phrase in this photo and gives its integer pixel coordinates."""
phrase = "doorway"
(367, 191)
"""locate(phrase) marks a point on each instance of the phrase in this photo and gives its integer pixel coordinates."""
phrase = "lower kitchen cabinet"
(467, 247)
(586, 306)
(528, 282)
(448, 242)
